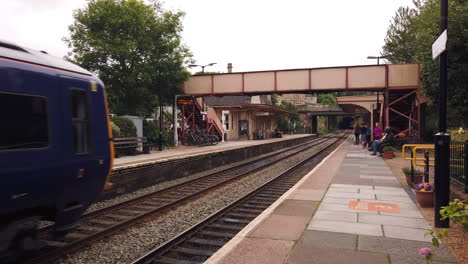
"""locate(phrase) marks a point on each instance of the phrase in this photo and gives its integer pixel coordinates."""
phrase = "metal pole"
(465, 165)
(442, 139)
(161, 116)
(174, 117)
(426, 167)
(412, 169)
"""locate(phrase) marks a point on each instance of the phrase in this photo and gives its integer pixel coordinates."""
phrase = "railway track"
(99, 224)
(201, 241)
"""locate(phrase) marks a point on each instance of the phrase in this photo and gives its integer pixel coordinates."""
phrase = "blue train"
(56, 149)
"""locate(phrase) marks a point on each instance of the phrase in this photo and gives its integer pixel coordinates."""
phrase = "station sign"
(440, 45)
(184, 101)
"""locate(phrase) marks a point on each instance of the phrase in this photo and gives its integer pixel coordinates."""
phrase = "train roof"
(12, 51)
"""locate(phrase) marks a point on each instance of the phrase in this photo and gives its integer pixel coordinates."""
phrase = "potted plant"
(425, 194)
(388, 152)
(418, 176)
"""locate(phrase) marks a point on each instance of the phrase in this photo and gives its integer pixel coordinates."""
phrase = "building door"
(243, 129)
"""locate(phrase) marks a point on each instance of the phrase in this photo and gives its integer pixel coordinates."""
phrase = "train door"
(79, 147)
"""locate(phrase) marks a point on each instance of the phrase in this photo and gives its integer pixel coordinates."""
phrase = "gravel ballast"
(134, 242)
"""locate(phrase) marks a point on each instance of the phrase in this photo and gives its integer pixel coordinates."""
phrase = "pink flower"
(420, 186)
(425, 251)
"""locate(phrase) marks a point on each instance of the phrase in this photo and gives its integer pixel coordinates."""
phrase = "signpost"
(440, 45)
(442, 139)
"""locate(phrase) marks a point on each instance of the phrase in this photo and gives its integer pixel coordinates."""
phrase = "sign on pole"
(440, 45)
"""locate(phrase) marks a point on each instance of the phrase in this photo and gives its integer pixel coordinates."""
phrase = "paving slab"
(345, 227)
(332, 200)
(349, 195)
(307, 194)
(385, 192)
(258, 251)
(406, 233)
(322, 239)
(308, 255)
(393, 198)
(342, 208)
(296, 208)
(416, 259)
(401, 248)
(405, 212)
(337, 216)
(281, 227)
(350, 190)
(336, 185)
(393, 221)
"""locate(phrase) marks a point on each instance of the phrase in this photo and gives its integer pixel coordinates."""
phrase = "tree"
(326, 99)
(409, 39)
(136, 50)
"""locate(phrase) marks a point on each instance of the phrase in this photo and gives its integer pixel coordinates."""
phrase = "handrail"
(403, 149)
(213, 117)
(416, 159)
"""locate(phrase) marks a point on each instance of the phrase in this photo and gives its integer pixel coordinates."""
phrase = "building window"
(226, 121)
(80, 121)
(24, 122)
(297, 95)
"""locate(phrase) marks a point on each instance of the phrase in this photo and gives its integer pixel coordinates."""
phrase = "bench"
(130, 146)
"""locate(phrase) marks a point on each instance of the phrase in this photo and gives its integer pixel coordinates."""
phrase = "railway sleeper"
(205, 242)
(169, 260)
(250, 211)
(236, 221)
(192, 252)
(207, 233)
(241, 215)
(225, 227)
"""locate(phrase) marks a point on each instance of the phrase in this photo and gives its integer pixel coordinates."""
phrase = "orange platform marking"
(373, 206)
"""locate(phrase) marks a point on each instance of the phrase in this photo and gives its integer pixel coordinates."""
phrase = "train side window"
(80, 121)
(24, 122)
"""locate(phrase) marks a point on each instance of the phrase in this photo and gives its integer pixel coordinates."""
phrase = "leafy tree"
(409, 39)
(326, 99)
(134, 47)
(291, 121)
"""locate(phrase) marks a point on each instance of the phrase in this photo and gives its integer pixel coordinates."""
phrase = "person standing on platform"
(357, 128)
(363, 131)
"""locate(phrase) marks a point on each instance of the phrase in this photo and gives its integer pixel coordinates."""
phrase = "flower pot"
(425, 199)
(388, 154)
(417, 179)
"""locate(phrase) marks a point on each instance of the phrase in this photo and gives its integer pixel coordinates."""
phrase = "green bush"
(457, 211)
(151, 132)
(115, 130)
(127, 128)
(389, 148)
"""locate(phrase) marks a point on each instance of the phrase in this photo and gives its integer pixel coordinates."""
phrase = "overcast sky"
(251, 34)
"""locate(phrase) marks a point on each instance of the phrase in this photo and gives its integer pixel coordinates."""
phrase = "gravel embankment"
(137, 240)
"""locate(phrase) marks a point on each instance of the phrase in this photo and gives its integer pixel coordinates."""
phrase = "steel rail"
(193, 246)
(102, 223)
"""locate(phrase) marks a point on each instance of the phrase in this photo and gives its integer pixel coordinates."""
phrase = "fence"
(459, 163)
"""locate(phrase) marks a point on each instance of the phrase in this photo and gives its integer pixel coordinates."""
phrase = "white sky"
(251, 34)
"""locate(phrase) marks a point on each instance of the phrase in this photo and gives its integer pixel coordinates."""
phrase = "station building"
(245, 117)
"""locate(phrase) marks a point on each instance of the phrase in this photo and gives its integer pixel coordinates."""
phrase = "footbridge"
(398, 83)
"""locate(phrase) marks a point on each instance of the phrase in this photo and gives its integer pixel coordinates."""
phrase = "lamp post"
(378, 58)
(202, 66)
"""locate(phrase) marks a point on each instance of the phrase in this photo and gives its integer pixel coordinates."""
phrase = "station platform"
(189, 151)
(349, 209)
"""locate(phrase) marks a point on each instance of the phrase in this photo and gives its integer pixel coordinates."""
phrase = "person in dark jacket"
(363, 131)
(356, 133)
